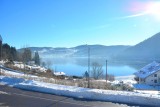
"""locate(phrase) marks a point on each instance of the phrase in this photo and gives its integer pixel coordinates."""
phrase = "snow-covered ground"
(151, 98)
(77, 92)
(33, 67)
(59, 73)
(19, 74)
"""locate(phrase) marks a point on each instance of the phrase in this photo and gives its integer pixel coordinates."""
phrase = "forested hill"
(148, 49)
(80, 51)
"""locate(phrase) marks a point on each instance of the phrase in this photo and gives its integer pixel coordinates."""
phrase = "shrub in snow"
(72, 82)
(136, 79)
(110, 77)
(123, 87)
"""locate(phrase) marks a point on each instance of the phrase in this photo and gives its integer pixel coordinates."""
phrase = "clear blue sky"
(68, 23)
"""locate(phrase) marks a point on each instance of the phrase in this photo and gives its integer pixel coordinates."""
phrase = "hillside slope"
(148, 49)
(80, 51)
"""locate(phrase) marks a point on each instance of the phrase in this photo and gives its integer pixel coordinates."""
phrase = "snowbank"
(59, 73)
(77, 92)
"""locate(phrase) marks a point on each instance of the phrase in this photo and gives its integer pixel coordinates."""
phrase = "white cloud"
(132, 16)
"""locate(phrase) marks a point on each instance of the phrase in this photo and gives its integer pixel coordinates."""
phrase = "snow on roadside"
(2, 92)
(152, 92)
(26, 76)
(17, 74)
(77, 92)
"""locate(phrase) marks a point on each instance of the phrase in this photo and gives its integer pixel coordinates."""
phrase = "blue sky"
(68, 23)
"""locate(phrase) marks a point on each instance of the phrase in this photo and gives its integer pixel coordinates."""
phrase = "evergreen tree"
(9, 53)
(26, 55)
(1, 47)
(6, 52)
(36, 58)
(13, 53)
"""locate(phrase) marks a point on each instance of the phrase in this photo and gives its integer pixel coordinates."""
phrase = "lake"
(77, 66)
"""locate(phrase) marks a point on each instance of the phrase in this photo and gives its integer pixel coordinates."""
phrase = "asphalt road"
(12, 97)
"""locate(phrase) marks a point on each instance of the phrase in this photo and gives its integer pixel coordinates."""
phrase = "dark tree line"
(11, 54)
(26, 56)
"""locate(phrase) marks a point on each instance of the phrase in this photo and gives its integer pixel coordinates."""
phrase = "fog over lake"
(77, 66)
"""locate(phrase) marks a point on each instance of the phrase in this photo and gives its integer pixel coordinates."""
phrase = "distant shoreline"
(129, 77)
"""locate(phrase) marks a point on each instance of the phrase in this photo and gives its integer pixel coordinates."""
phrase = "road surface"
(12, 97)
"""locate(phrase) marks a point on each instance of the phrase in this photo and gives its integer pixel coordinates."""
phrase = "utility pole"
(1, 52)
(106, 71)
(88, 66)
(1, 47)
